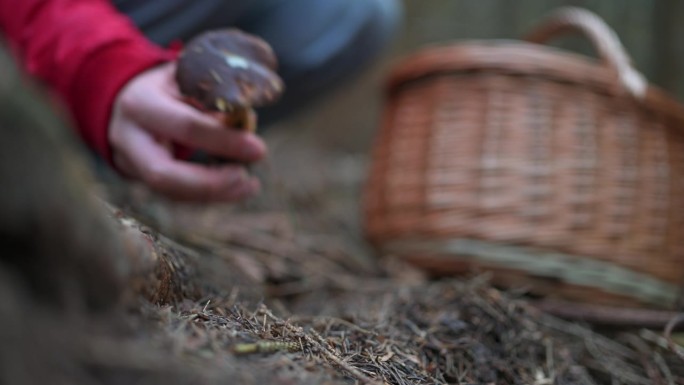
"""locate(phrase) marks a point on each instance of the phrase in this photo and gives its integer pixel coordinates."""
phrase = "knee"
(382, 18)
(377, 22)
(337, 40)
(343, 33)
(385, 16)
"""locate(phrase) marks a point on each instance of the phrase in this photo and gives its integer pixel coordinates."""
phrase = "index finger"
(181, 180)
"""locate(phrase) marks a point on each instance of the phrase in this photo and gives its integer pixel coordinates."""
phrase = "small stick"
(266, 346)
(663, 342)
(335, 320)
(204, 309)
(337, 360)
(320, 344)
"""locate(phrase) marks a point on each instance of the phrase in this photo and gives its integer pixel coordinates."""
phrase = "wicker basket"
(549, 169)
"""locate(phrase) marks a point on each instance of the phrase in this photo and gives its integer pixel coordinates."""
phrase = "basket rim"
(520, 58)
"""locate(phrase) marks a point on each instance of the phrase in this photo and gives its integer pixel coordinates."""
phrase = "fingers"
(184, 124)
(142, 157)
(148, 116)
(159, 110)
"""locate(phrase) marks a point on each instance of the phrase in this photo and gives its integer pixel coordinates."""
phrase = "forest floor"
(280, 290)
(285, 291)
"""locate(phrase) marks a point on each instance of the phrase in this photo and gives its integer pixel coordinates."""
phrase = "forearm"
(84, 50)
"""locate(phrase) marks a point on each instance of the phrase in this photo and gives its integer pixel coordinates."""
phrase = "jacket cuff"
(99, 81)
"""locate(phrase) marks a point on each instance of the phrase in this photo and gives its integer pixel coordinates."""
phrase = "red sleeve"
(84, 50)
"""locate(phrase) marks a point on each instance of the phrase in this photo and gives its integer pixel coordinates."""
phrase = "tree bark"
(54, 233)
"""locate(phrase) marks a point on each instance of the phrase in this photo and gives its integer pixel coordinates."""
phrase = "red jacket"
(84, 50)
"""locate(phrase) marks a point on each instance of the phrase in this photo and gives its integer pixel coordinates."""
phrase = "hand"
(149, 116)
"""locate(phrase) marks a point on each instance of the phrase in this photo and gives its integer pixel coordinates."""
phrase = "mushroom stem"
(241, 118)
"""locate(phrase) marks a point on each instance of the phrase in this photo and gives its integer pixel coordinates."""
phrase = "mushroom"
(229, 72)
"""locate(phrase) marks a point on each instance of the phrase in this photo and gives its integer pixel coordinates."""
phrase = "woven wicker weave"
(551, 169)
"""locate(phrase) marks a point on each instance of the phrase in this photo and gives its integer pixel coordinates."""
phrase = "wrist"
(100, 80)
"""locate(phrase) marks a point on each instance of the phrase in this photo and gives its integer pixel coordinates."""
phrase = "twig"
(334, 358)
(662, 342)
(266, 346)
(320, 345)
(337, 321)
(671, 325)
(662, 365)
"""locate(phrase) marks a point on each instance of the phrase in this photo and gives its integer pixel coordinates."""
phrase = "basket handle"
(604, 40)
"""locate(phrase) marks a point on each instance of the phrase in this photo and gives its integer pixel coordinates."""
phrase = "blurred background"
(324, 151)
(651, 31)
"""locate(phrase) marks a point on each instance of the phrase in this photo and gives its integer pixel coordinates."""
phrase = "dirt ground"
(287, 296)
(283, 290)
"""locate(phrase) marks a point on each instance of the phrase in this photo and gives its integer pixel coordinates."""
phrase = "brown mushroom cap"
(228, 69)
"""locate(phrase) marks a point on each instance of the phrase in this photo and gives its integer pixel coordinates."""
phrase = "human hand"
(149, 116)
